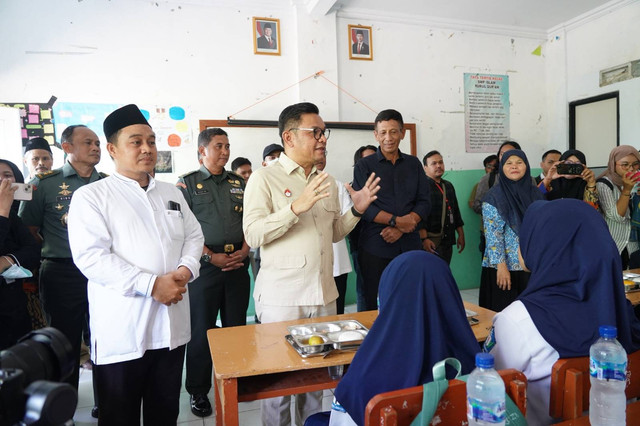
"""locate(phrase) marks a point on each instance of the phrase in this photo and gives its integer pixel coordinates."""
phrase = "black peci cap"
(37, 143)
(128, 115)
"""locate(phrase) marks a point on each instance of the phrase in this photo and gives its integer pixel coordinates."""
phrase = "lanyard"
(446, 199)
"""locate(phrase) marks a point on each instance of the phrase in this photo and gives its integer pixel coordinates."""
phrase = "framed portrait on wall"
(360, 43)
(164, 163)
(266, 36)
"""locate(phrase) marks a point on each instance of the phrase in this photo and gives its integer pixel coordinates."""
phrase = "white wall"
(610, 40)
(200, 56)
(419, 71)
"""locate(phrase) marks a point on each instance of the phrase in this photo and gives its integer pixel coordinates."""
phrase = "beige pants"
(277, 411)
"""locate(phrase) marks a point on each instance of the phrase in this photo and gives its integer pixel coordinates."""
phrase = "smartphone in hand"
(24, 191)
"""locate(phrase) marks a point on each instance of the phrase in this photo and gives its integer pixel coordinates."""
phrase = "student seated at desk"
(421, 321)
(575, 287)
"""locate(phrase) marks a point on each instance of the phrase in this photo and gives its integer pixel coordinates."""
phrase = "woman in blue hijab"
(502, 211)
(574, 288)
(421, 321)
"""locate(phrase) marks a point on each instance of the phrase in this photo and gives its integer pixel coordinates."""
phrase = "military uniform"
(63, 288)
(217, 203)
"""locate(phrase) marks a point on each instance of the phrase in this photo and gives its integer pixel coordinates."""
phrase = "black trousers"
(341, 283)
(63, 290)
(15, 321)
(496, 299)
(213, 291)
(153, 380)
(371, 267)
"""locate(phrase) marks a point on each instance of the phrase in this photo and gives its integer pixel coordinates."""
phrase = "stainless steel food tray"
(334, 334)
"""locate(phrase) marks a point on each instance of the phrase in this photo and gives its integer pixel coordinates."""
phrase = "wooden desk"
(255, 361)
(634, 296)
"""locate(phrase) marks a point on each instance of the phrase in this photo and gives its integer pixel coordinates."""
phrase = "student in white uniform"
(138, 244)
(575, 287)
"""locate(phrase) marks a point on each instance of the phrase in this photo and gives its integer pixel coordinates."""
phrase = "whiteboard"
(596, 128)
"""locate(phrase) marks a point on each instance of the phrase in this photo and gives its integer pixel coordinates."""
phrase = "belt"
(67, 260)
(225, 248)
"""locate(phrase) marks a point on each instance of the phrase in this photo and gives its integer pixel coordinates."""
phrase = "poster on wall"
(90, 115)
(486, 116)
(36, 120)
(360, 43)
(266, 36)
(170, 124)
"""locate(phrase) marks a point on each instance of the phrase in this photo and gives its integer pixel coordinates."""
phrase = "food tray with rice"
(317, 339)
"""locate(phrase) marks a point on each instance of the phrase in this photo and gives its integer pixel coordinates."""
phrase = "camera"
(29, 371)
(569, 169)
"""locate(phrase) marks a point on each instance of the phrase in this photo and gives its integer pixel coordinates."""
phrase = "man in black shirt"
(389, 224)
(438, 233)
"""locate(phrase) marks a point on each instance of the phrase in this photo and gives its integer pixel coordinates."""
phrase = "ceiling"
(540, 15)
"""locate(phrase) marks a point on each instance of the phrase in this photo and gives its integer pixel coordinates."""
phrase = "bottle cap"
(608, 331)
(484, 360)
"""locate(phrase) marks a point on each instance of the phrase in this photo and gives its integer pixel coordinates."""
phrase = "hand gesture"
(312, 193)
(460, 243)
(429, 246)
(390, 234)
(6, 197)
(588, 176)
(504, 277)
(367, 195)
(169, 288)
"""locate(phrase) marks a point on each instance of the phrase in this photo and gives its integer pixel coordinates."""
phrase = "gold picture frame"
(263, 43)
(360, 48)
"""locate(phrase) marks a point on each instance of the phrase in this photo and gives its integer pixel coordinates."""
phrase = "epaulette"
(188, 174)
(235, 175)
(235, 179)
(48, 174)
(103, 175)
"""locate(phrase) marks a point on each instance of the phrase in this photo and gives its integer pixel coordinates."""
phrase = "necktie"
(359, 45)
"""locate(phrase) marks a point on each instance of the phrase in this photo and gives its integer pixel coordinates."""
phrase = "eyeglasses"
(635, 165)
(317, 132)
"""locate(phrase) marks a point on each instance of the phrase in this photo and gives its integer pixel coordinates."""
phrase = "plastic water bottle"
(485, 393)
(608, 370)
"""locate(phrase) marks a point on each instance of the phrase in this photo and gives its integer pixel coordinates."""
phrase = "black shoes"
(94, 412)
(200, 405)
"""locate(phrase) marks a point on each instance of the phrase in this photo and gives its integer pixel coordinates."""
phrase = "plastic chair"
(400, 407)
(570, 385)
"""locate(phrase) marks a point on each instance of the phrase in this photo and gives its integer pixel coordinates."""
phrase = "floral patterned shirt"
(502, 241)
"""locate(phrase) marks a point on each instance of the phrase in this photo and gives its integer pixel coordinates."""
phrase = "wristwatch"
(206, 258)
(392, 221)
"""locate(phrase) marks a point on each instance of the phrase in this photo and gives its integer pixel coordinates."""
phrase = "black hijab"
(512, 198)
(569, 188)
(17, 174)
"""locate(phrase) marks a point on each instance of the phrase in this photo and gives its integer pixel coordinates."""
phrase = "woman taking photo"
(502, 211)
(614, 188)
(580, 186)
(17, 249)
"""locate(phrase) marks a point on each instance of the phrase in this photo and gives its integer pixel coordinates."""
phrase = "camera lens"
(43, 354)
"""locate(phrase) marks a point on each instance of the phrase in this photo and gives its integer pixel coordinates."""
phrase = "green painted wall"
(466, 265)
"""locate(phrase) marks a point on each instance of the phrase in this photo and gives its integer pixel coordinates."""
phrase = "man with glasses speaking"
(292, 212)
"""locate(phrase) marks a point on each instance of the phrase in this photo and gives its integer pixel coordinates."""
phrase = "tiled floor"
(249, 412)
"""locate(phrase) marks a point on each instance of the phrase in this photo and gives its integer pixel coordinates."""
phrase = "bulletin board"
(594, 127)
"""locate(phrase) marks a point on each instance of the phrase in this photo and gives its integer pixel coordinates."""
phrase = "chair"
(400, 407)
(570, 385)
